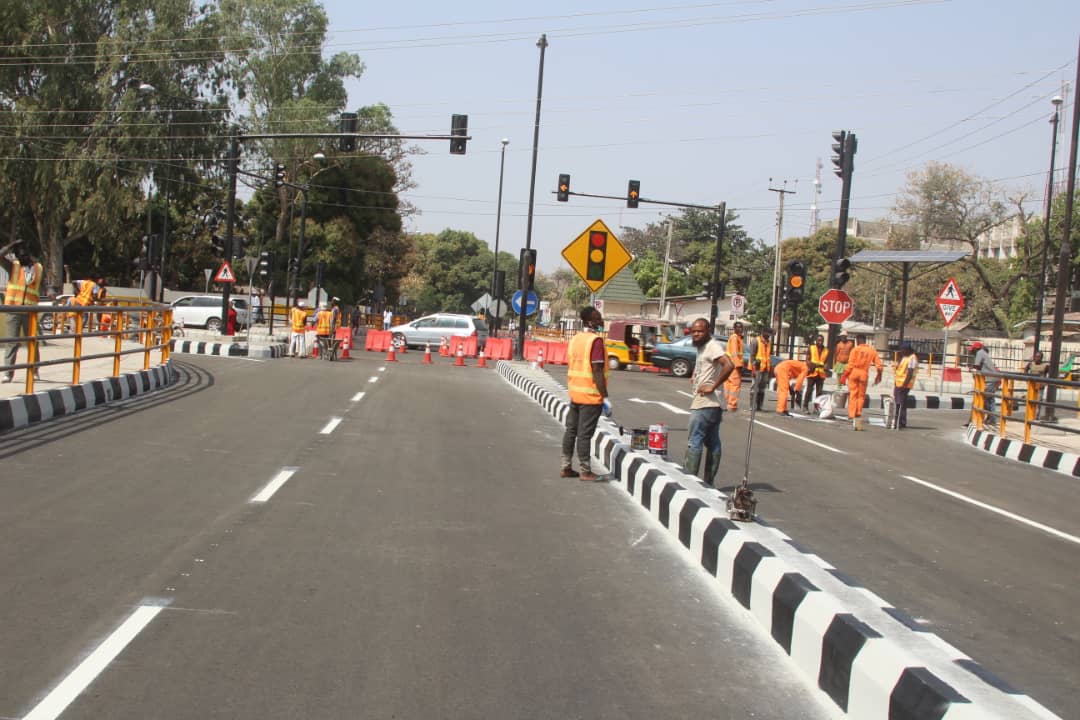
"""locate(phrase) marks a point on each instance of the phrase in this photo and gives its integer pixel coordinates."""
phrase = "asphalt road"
(335, 540)
(872, 504)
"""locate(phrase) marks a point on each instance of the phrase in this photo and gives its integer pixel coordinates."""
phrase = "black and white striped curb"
(202, 347)
(1059, 461)
(869, 658)
(933, 402)
(24, 410)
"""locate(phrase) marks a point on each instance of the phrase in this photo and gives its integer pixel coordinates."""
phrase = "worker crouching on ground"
(712, 368)
(857, 375)
(788, 372)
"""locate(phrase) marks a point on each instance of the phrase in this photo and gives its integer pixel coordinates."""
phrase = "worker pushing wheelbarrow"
(327, 344)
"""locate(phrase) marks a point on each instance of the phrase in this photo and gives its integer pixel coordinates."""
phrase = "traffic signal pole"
(230, 212)
(846, 148)
(714, 291)
(542, 43)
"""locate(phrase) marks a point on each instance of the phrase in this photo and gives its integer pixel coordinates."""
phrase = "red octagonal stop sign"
(835, 306)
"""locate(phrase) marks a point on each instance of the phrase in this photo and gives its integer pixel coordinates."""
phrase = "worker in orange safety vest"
(817, 356)
(298, 328)
(761, 362)
(324, 327)
(787, 372)
(23, 288)
(733, 384)
(858, 377)
(586, 383)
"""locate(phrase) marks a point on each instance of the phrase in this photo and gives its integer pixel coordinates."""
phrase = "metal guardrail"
(1037, 412)
(149, 324)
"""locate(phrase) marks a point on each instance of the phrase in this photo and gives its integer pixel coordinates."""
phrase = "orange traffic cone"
(346, 343)
(460, 362)
(427, 353)
(444, 347)
(540, 358)
(482, 362)
(390, 356)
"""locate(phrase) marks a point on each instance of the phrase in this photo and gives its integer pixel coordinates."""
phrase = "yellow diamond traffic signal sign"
(596, 255)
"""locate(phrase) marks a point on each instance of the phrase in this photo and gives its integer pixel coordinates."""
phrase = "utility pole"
(542, 43)
(663, 278)
(1057, 101)
(774, 315)
(815, 218)
(721, 212)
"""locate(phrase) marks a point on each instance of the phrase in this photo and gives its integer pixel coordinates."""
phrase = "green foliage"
(452, 270)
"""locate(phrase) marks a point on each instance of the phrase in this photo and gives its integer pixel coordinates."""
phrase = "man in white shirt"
(712, 368)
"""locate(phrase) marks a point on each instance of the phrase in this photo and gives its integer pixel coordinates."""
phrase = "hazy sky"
(705, 102)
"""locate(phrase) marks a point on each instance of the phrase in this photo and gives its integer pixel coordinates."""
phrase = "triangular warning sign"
(948, 312)
(951, 293)
(225, 274)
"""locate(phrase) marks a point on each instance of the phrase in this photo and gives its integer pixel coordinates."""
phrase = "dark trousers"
(814, 387)
(900, 396)
(762, 378)
(580, 426)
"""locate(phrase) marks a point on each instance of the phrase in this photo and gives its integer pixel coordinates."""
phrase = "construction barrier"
(378, 340)
(467, 344)
(555, 353)
(499, 348)
(533, 348)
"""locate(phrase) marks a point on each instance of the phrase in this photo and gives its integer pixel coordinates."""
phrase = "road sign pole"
(944, 357)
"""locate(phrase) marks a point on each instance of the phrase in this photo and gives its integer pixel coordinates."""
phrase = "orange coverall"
(734, 382)
(787, 371)
(858, 372)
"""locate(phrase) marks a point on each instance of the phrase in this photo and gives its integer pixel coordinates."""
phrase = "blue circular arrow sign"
(530, 306)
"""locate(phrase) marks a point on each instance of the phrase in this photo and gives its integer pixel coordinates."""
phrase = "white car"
(205, 311)
(433, 328)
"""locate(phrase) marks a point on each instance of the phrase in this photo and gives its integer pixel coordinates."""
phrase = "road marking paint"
(358, 397)
(382, 369)
(373, 378)
(274, 485)
(994, 509)
(666, 406)
(800, 437)
(334, 422)
(73, 685)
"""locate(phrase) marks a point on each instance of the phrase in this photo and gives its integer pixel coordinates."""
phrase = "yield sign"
(950, 301)
(596, 255)
(225, 274)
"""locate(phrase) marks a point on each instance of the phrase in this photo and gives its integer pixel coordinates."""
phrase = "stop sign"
(835, 306)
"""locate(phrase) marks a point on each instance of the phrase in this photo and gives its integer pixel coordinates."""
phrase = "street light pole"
(1046, 223)
(498, 224)
(542, 43)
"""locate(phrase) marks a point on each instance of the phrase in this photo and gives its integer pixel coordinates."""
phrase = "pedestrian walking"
(817, 359)
(761, 363)
(711, 369)
(23, 288)
(983, 364)
(906, 370)
(789, 373)
(859, 361)
(733, 385)
(586, 382)
(844, 346)
(298, 328)
(387, 319)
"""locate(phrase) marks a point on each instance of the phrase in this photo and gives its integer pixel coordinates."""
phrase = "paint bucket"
(639, 439)
(658, 439)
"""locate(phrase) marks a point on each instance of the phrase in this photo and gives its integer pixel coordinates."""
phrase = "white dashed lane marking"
(330, 426)
(274, 485)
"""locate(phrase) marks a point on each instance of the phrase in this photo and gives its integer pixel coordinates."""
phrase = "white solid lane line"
(666, 406)
(274, 485)
(1005, 513)
(72, 686)
(334, 422)
(358, 396)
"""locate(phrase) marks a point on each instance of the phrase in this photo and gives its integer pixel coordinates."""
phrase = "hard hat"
(300, 303)
(324, 306)
(976, 345)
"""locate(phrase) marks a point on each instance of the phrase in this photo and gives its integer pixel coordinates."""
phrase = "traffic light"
(347, 124)
(528, 272)
(633, 193)
(279, 175)
(564, 188)
(784, 301)
(500, 283)
(796, 282)
(596, 267)
(841, 273)
(266, 262)
(218, 243)
(838, 152)
(459, 129)
(240, 244)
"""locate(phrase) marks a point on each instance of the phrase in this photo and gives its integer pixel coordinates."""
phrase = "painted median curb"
(203, 347)
(867, 657)
(1059, 461)
(24, 410)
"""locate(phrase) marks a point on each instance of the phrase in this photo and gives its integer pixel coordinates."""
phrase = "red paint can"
(658, 439)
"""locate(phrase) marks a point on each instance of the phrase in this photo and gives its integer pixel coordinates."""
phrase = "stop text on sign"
(840, 307)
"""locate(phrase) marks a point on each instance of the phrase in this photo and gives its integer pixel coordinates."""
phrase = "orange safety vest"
(324, 322)
(735, 350)
(18, 291)
(763, 353)
(86, 292)
(299, 319)
(903, 373)
(579, 374)
(819, 357)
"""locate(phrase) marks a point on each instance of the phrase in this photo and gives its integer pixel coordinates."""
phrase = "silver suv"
(205, 311)
(433, 328)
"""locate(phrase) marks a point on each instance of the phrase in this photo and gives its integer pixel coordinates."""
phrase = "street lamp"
(498, 224)
(1057, 101)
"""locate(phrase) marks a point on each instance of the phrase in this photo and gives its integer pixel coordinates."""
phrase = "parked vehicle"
(680, 357)
(433, 328)
(632, 341)
(205, 311)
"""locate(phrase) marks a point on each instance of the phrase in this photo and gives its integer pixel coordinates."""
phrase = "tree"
(450, 271)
